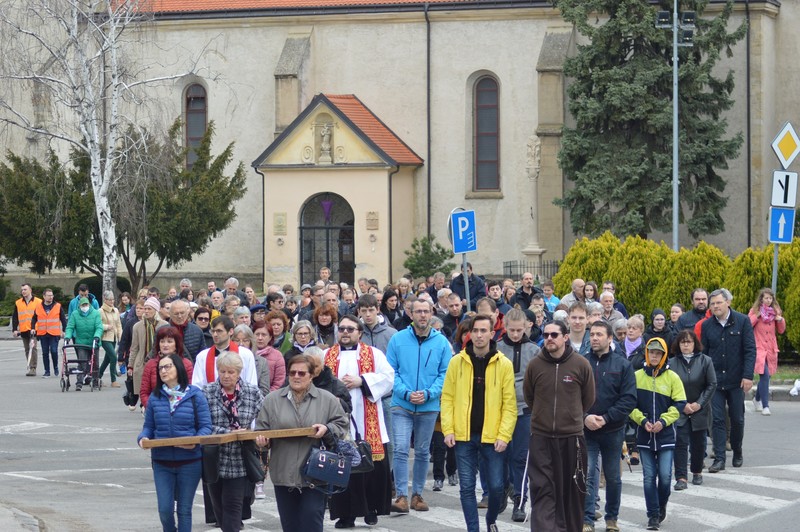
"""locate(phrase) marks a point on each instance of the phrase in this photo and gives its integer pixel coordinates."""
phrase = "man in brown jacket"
(559, 389)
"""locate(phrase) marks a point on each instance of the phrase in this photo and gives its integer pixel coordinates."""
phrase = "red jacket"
(149, 377)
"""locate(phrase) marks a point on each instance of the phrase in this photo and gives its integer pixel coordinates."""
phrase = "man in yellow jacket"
(24, 309)
(479, 412)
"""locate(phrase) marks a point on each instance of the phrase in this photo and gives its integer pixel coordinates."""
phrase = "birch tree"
(69, 74)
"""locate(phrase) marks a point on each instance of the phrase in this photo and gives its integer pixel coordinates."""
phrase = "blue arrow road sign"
(464, 232)
(781, 225)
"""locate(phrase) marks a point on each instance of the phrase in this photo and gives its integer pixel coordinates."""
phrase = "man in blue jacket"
(727, 337)
(604, 423)
(419, 355)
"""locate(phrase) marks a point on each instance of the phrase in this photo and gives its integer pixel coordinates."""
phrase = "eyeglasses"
(687, 341)
(298, 333)
(348, 329)
(422, 311)
(297, 373)
(166, 367)
(551, 335)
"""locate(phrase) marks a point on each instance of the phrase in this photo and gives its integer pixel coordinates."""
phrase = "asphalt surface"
(70, 463)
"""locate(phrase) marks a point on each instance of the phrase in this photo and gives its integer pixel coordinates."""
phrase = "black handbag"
(326, 471)
(252, 461)
(365, 450)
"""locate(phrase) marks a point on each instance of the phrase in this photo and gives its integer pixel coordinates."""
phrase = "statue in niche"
(325, 146)
(534, 158)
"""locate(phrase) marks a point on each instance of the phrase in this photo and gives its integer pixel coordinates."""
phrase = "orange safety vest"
(48, 322)
(25, 312)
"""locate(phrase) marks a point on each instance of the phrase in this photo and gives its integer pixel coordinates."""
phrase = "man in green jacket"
(85, 328)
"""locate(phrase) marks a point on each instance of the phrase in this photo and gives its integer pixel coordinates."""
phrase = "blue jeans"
(176, 484)
(404, 422)
(518, 454)
(609, 446)
(656, 466)
(734, 398)
(387, 420)
(467, 455)
(762, 390)
(49, 344)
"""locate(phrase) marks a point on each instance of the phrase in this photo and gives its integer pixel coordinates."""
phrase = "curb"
(14, 519)
(776, 393)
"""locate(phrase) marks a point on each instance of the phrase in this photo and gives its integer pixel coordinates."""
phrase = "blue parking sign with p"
(465, 237)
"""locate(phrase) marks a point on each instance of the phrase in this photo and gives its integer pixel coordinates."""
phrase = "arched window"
(196, 120)
(486, 136)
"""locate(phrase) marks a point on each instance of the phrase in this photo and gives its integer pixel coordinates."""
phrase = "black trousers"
(689, 443)
(444, 457)
(557, 473)
(227, 498)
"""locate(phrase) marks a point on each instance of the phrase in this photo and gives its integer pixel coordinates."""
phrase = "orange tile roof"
(188, 6)
(373, 129)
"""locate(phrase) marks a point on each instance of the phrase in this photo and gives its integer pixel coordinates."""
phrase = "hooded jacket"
(379, 336)
(84, 327)
(419, 365)
(520, 354)
(500, 411)
(660, 397)
(558, 391)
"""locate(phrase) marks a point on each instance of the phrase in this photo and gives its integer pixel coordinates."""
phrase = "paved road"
(70, 460)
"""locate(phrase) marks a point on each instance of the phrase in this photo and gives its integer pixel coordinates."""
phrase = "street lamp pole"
(682, 35)
(675, 174)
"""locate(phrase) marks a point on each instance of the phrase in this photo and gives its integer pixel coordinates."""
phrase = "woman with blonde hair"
(766, 317)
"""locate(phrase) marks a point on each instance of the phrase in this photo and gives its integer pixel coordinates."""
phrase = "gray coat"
(527, 352)
(699, 382)
(279, 412)
(262, 370)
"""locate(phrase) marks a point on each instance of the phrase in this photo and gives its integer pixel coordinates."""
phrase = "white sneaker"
(765, 411)
(259, 490)
(757, 405)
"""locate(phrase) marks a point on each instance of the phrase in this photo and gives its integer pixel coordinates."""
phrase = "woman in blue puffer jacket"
(175, 409)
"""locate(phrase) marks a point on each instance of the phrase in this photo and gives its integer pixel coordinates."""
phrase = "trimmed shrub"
(637, 269)
(705, 266)
(588, 260)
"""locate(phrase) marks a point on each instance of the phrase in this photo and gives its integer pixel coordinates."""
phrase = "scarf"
(150, 334)
(181, 328)
(366, 364)
(302, 348)
(276, 343)
(175, 395)
(768, 314)
(630, 347)
(229, 405)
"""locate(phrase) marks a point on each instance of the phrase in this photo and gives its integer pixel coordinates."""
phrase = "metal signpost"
(463, 235)
(784, 195)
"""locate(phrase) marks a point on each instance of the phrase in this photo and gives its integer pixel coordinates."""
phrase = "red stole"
(211, 360)
(366, 364)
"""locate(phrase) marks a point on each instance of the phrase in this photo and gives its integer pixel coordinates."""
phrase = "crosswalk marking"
(757, 480)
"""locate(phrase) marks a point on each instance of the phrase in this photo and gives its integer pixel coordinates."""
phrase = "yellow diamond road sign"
(786, 145)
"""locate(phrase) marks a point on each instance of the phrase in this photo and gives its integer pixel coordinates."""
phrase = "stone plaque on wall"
(279, 223)
(372, 221)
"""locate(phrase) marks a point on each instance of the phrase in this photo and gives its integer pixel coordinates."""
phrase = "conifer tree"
(619, 153)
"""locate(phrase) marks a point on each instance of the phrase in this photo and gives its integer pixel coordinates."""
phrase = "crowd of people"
(519, 393)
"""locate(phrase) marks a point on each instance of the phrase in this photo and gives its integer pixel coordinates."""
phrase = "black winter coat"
(615, 390)
(699, 382)
(328, 382)
(732, 349)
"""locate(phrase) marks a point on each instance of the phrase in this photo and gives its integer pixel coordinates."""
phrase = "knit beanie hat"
(153, 303)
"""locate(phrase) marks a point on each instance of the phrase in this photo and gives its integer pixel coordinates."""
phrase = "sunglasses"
(348, 329)
(297, 373)
(201, 319)
(551, 335)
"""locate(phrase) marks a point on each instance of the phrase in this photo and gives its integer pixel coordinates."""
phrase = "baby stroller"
(81, 361)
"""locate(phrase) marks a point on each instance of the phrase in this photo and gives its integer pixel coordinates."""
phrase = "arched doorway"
(326, 238)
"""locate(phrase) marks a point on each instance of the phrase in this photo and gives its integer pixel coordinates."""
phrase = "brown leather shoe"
(418, 504)
(400, 505)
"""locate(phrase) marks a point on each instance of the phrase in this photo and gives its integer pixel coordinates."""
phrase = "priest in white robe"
(368, 377)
